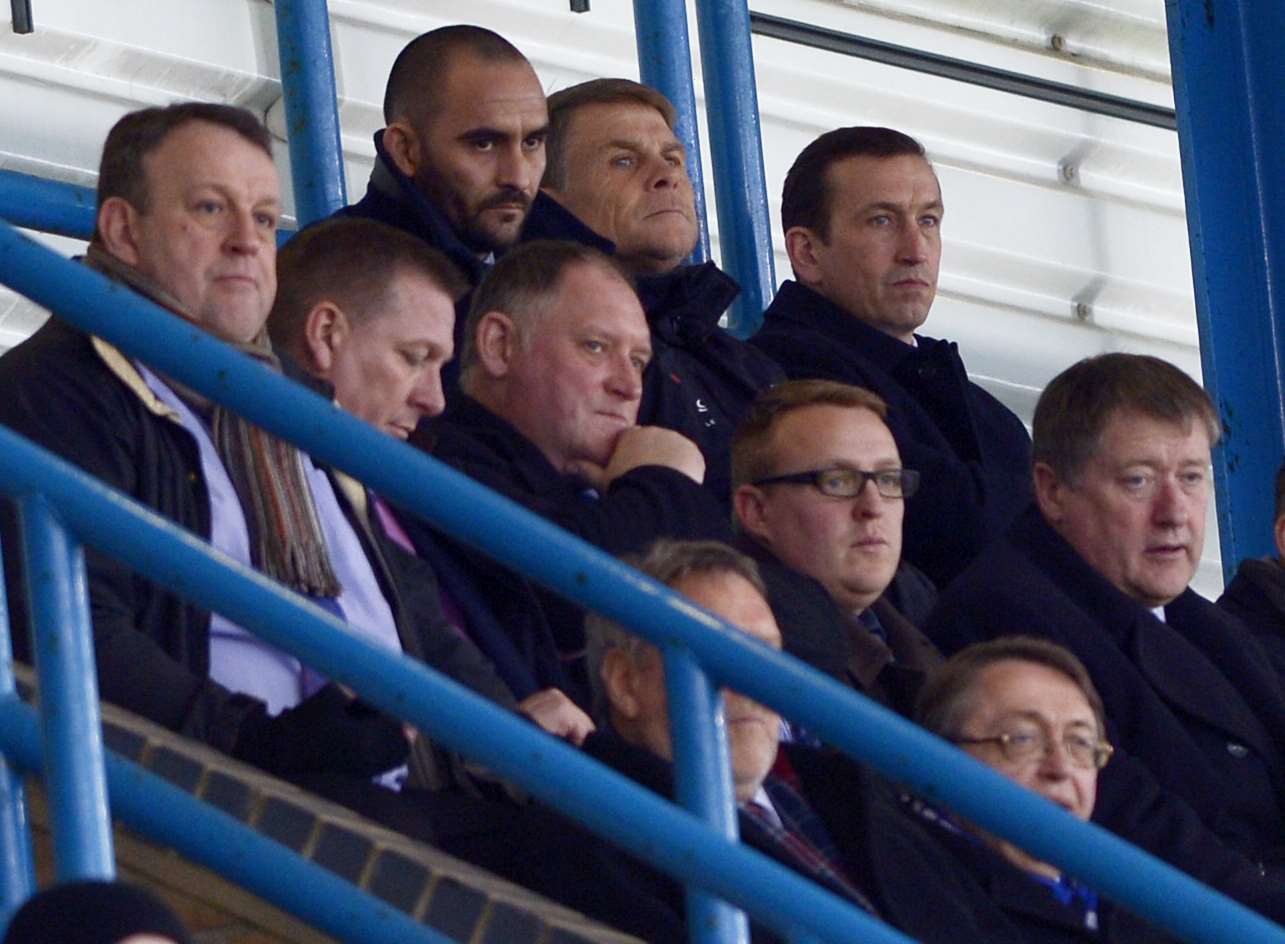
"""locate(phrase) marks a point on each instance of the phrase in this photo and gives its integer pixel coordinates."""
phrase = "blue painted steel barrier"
(665, 63)
(312, 113)
(555, 772)
(736, 149)
(17, 870)
(1227, 91)
(213, 838)
(449, 713)
(702, 782)
(47, 205)
(59, 593)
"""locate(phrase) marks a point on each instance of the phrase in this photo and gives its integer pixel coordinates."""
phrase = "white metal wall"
(1064, 234)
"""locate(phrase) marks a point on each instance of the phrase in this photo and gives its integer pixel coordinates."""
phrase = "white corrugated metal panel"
(1064, 234)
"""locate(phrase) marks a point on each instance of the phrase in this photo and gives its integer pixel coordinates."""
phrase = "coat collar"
(416, 213)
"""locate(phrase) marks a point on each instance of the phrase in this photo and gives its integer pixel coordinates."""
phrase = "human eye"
(1022, 742)
(593, 345)
(1193, 479)
(1137, 483)
(879, 220)
(841, 483)
(639, 361)
(888, 481)
(627, 161)
(930, 220)
(207, 206)
(533, 142)
(266, 220)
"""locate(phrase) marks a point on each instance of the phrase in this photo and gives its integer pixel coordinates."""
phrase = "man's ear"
(403, 146)
(325, 331)
(750, 507)
(118, 230)
(1050, 493)
(801, 246)
(1280, 537)
(619, 682)
(497, 343)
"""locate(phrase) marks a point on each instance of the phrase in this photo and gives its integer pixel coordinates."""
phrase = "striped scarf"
(286, 540)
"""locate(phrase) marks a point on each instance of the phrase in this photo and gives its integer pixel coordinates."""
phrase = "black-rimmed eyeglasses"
(1019, 747)
(848, 483)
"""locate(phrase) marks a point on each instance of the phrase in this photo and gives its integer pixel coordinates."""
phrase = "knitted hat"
(93, 913)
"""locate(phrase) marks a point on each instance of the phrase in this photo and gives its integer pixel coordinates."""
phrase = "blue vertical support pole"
(1227, 69)
(702, 783)
(312, 112)
(665, 63)
(73, 742)
(17, 873)
(736, 147)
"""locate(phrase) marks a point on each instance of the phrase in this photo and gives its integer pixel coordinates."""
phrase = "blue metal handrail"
(452, 715)
(471, 513)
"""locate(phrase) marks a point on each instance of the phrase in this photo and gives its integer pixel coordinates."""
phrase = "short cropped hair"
(562, 108)
(949, 695)
(752, 455)
(1078, 403)
(419, 69)
(667, 561)
(522, 283)
(805, 200)
(139, 133)
(353, 263)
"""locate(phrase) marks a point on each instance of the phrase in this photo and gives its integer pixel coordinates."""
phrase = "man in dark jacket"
(862, 212)
(368, 312)
(1256, 595)
(617, 180)
(461, 156)
(210, 260)
(1101, 565)
(819, 498)
(551, 378)
(818, 813)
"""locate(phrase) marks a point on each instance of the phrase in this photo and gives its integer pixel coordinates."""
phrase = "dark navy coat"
(972, 453)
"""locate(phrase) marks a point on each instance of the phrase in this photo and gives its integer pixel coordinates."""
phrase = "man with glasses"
(1101, 564)
(819, 499)
(1027, 708)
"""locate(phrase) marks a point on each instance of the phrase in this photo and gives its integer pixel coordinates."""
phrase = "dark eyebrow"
(897, 207)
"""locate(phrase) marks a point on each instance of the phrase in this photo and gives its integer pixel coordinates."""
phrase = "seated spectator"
(1102, 565)
(1028, 708)
(616, 179)
(1256, 595)
(552, 375)
(862, 212)
(367, 311)
(188, 206)
(95, 912)
(461, 156)
(820, 814)
(819, 497)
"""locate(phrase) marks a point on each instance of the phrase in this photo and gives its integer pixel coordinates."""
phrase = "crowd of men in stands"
(512, 296)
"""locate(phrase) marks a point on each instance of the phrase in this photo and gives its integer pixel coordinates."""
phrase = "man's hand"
(330, 732)
(638, 446)
(557, 714)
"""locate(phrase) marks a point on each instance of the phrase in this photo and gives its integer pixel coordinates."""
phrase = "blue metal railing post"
(665, 63)
(736, 147)
(17, 872)
(702, 783)
(312, 112)
(1227, 83)
(58, 590)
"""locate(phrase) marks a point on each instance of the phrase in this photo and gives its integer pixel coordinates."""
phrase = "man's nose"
(868, 503)
(516, 168)
(912, 246)
(244, 234)
(1170, 505)
(625, 379)
(427, 395)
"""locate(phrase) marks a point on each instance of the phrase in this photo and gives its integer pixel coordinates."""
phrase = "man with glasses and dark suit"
(819, 496)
